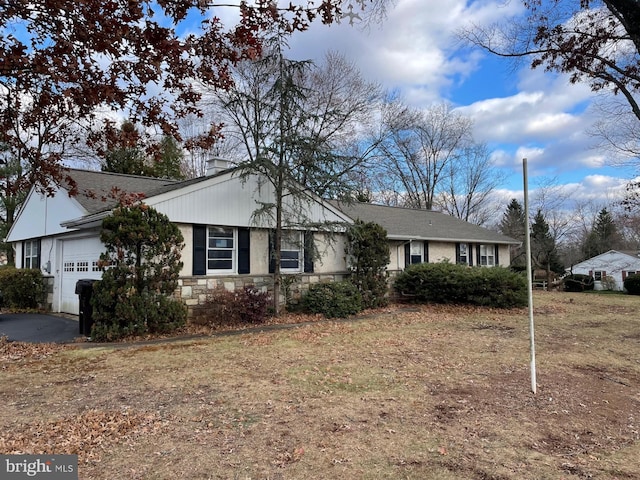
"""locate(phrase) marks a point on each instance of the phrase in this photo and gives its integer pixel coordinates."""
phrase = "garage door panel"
(79, 261)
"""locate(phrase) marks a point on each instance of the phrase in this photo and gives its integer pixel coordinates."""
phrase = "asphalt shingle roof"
(94, 189)
(407, 223)
(94, 194)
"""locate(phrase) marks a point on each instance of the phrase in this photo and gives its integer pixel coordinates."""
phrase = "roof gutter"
(88, 221)
(406, 238)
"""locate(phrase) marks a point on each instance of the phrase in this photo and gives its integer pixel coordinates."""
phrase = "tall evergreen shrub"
(368, 256)
(142, 264)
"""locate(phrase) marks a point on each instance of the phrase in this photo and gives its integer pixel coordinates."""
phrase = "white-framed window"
(597, 276)
(69, 267)
(464, 254)
(31, 249)
(291, 252)
(487, 255)
(417, 252)
(82, 266)
(221, 249)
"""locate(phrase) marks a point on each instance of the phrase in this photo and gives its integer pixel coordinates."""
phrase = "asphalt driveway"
(38, 328)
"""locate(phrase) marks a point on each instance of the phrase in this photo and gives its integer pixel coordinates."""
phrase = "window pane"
(290, 241)
(221, 243)
(220, 264)
(221, 248)
(219, 254)
(290, 260)
(220, 232)
(416, 259)
(287, 264)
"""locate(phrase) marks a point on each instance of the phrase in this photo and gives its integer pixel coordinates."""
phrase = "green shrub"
(368, 255)
(143, 250)
(124, 312)
(339, 299)
(21, 288)
(632, 284)
(578, 282)
(248, 305)
(448, 283)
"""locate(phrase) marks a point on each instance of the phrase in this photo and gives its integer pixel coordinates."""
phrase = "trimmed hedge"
(339, 299)
(578, 282)
(632, 285)
(21, 287)
(458, 284)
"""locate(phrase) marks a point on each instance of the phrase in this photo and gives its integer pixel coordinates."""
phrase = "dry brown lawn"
(427, 392)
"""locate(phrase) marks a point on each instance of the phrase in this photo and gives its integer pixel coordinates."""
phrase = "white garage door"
(79, 260)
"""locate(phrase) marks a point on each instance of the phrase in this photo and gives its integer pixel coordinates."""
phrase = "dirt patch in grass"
(437, 392)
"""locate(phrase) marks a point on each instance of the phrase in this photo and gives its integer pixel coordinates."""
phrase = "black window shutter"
(478, 255)
(244, 251)
(272, 259)
(458, 261)
(407, 254)
(37, 265)
(308, 252)
(426, 252)
(24, 254)
(497, 262)
(199, 250)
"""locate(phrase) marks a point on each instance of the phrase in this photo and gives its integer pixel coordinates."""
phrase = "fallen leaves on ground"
(86, 435)
(12, 351)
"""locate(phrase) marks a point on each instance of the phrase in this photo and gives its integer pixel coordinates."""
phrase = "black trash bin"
(84, 289)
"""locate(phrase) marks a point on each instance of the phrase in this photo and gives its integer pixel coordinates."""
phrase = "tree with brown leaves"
(64, 63)
(69, 58)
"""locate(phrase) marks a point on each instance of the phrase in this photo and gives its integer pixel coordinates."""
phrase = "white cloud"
(541, 116)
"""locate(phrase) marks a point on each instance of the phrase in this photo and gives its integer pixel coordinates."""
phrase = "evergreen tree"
(13, 191)
(123, 153)
(603, 236)
(169, 162)
(368, 253)
(513, 224)
(297, 123)
(143, 251)
(544, 254)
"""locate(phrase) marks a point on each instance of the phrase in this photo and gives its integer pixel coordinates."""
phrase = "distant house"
(224, 245)
(617, 265)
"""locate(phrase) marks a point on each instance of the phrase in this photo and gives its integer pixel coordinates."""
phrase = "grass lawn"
(417, 392)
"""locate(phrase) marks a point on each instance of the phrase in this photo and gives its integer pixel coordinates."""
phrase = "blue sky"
(517, 111)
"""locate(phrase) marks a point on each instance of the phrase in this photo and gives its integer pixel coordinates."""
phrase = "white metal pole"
(527, 243)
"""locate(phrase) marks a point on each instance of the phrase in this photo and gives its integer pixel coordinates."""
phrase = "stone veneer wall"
(193, 291)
